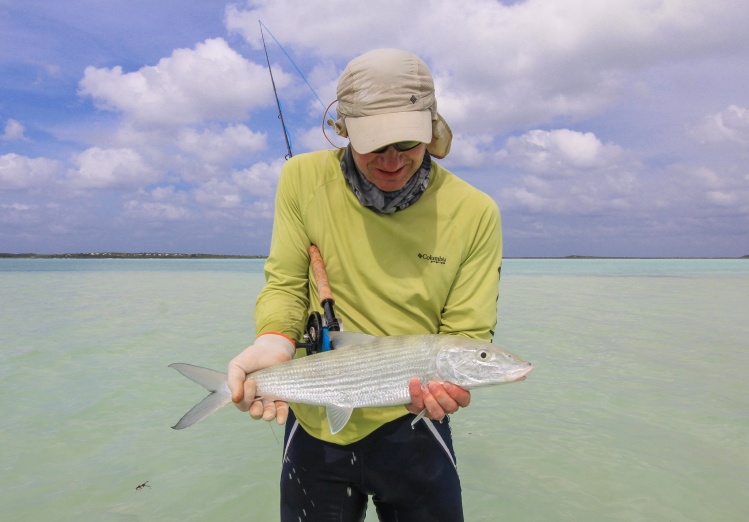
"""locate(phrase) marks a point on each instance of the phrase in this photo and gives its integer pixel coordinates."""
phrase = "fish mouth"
(522, 374)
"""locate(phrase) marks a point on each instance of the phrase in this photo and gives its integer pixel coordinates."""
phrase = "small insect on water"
(141, 486)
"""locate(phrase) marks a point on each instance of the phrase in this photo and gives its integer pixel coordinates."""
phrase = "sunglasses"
(401, 146)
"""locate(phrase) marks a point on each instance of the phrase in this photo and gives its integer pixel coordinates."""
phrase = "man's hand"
(438, 399)
(269, 349)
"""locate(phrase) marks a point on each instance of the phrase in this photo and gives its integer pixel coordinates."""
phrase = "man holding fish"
(409, 249)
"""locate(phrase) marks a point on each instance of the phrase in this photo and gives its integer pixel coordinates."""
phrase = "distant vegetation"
(124, 255)
(162, 255)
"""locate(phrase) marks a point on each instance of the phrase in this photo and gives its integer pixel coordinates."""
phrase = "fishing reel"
(316, 337)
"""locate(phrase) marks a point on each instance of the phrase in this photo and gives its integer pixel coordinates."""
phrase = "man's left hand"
(438, 399)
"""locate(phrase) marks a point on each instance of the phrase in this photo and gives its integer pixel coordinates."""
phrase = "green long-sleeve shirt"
(430, 268)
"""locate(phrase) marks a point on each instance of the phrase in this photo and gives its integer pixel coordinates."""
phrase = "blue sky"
(600, 128)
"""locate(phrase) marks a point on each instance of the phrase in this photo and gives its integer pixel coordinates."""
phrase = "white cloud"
(560, 152)
(155, 211)
(161, 204)
(14, 131)
(169, 194)
(259, 180)
(703, 187)
(106, 168)
(20, 172)
(313, 139)
(567, 172)
(730, 125)
(232, 143)
(217, 195)
(722, 199)
(470, 150)
(210, 82)
(16, 206)
(612, 89)
(16, 217)
(499, 67)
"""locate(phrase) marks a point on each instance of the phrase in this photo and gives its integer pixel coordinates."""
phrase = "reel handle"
(323, 288)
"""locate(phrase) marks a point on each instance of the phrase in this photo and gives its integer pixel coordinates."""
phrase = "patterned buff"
(379, 200)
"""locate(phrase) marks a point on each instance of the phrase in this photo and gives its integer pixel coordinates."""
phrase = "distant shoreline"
(166, 255)
(126, 255)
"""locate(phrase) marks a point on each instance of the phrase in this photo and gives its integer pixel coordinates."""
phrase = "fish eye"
(485, 356)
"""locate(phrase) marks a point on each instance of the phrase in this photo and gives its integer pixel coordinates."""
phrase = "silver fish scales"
(365, 371)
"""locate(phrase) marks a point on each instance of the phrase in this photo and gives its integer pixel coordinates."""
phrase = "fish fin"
(420, 416)
(214, 401)
(213, 381)
(338, 417)
(209, 379)
(343, 339)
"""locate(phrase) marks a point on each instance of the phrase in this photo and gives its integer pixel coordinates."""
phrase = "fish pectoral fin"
(338, 417)
(420, 416)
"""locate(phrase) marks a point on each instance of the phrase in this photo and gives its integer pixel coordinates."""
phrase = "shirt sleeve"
(471, 305)
(283, 303)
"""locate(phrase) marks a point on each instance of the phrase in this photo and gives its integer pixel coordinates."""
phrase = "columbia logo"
(433, 259)
(413, 98)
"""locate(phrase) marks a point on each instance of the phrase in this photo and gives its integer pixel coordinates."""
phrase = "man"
(409, 249)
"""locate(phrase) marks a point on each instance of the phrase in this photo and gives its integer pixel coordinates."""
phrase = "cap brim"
(368, 133)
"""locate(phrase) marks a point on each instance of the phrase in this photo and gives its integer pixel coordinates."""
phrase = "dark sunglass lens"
(401, 146)
(406, 145)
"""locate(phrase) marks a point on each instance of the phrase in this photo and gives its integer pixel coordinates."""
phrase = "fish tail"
(211, 380)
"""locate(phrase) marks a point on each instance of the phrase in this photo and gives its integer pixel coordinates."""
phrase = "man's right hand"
(268, 349)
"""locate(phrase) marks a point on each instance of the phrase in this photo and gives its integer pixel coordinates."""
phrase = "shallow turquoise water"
(638, 408)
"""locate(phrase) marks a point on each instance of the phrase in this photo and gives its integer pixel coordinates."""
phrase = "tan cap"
(386, 96)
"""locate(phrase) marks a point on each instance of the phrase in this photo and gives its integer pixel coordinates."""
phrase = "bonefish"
(364, 371)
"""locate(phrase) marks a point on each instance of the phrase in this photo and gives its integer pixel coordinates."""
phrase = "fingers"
(246, 395)
(269, 349)
(257, 409)
(417, 398)
(269, 410)
(235, 379)
(458, 394)
(438, 399)
(437, 402)
(282, 412)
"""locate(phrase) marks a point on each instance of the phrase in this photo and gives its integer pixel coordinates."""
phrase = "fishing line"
(278, 442)
(286, 135)
(292, 62)
(280, 115)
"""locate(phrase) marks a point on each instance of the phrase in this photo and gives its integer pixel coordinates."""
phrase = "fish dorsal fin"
(338, 417)
(343, 339)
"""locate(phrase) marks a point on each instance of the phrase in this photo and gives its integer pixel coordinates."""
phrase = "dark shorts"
(410, 472)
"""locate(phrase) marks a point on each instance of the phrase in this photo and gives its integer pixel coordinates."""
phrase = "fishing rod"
(304, 79)
(316, 332)
(275, 93)
(318, 325)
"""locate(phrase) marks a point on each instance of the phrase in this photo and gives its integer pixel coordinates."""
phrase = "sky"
(600, 128)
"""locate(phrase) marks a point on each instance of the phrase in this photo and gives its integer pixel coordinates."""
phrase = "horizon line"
(162, 255)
